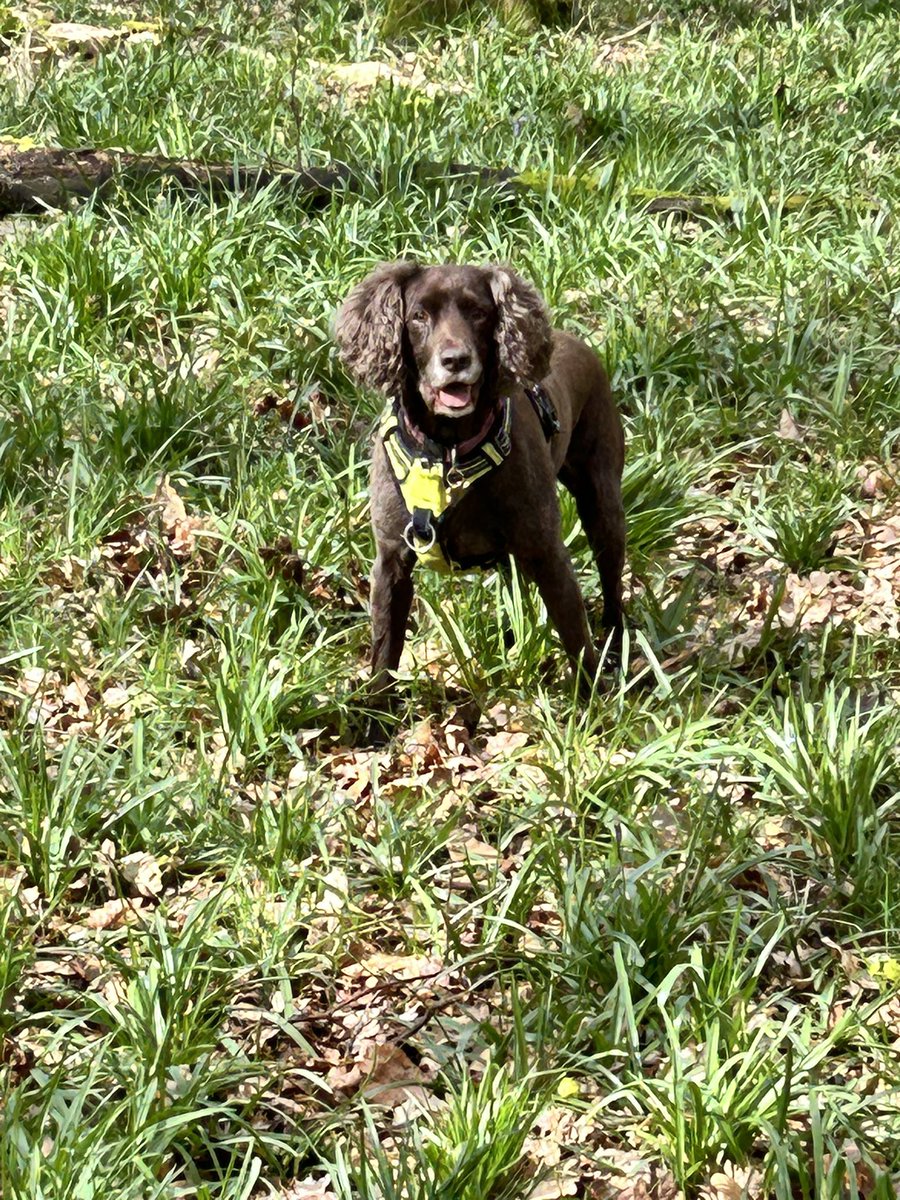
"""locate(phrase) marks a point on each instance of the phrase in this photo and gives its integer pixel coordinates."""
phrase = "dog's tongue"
(455, 395)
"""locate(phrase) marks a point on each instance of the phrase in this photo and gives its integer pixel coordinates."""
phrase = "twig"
(630, 33)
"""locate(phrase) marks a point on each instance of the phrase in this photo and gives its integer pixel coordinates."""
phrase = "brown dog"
(456, 349)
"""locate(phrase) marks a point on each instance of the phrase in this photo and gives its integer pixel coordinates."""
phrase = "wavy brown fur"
(402, 330)
(369, 326)
(524, 337)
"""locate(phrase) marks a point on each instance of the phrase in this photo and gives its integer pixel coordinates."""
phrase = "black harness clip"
(543, 406)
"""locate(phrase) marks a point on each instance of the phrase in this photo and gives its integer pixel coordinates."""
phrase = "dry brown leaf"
(471, 848)
(669, 829)
(874, 480)
(10, 879)
(397, 966)
(37, 679)
(180, 528)
(886, 534)
(173, 515)
(614, 55)
(115, 697)
(504, 742)
(67, 573)
(315, 407)
(54, 966)
(298, 775)
(788, 429)
(143, 872)
(114, 990)
(733, 1183)
(665, 1187)
(282, 559)
(112, 914)
(502, 715)
(324, 916)
(307, 1189)
(385, 1072)
(808, 601)
(353, 775)
(554, 1189)
(76, 696)
(392, 1078)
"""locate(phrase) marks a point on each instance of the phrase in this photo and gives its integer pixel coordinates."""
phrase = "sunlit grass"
(670, 913)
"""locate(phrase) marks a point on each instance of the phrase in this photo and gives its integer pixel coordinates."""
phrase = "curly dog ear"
(369, 326)
(524, 338)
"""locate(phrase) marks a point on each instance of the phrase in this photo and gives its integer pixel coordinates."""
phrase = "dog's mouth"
(454, 399)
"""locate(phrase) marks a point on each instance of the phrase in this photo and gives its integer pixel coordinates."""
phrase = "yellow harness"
(432, 479)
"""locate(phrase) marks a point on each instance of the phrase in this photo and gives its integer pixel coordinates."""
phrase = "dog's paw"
(611, 651)
(379, 730)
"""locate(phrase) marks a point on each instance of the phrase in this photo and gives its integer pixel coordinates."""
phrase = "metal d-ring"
(410, 537)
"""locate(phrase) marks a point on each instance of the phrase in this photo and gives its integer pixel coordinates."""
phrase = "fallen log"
(34, 179)
(40, 178)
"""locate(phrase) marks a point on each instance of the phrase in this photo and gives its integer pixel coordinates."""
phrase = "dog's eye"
(418, 317)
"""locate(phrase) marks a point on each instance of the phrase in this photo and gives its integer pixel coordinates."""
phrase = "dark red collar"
(419, 440)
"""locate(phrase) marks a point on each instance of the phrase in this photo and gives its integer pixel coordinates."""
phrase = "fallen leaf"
(788, 429)
(307, 1189)
(11, 879)
(874, 480)
(282, 559)
(143, 872)
(67, 573)
(112, 914)
(392, 1078)
(472, 848)
(397, 966)
(614, 55)
(504, 742)
(178, 527)
(665, 821)
(324, 916)
(115, 697)
(75, 696)
(35, 679)
(733, 1183)
(53, 966)
(555, 1189)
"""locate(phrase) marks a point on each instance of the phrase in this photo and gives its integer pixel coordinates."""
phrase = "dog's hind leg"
(554, 575)
(598, 498)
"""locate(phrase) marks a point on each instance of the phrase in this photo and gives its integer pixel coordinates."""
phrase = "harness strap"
(422, 526)
(431, 477)
(545, 409)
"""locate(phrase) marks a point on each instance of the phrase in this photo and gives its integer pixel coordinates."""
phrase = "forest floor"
(643, 947)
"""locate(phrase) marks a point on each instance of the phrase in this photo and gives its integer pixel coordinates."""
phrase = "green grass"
(653, 938)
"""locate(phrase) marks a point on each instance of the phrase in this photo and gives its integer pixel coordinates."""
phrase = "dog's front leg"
(392, 593)
(554, 575)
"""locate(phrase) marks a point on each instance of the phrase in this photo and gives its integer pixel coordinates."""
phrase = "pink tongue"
(459, 397)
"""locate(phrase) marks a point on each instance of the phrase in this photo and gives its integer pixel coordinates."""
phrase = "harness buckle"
(454, 477)
(411, 538)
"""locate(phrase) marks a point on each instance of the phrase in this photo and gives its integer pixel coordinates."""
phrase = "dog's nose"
(456, 358)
